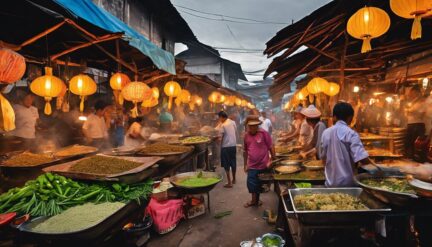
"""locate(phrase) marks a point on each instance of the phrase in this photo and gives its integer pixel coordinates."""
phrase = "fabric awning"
(90, 12)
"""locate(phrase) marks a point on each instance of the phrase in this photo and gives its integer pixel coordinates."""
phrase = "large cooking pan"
(392, 198)
(194, 190)
(340, 217)
(99, 231)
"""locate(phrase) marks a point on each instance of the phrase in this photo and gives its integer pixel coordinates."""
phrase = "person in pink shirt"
(258, 147)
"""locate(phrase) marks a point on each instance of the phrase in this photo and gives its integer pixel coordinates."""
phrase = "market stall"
(364, 56)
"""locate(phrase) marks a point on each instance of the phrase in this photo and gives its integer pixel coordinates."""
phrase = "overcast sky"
(243, 36)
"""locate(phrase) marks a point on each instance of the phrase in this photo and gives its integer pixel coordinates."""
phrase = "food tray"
(423, 189)
(167, 158)
(385, 196)
(194, 190)
(310, 166)
(92, 150)
(98, 231)
(290, 162)
(42, 165)
(293, 168)
(303, 176)
(135, 175)
(323, 217)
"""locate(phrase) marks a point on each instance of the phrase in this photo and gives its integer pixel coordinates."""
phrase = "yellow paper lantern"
(412, 9)
(185, 96)
(368, 23)
(244, 103)
(230, 100)
(82, 85)
(317, 85)
(117, 83)
(221, 99)
(172, 89)
(238, 101)
(155, 92)
(136, 92)
(152, 102)
(47, 86)
(215, 97)
(333, 89)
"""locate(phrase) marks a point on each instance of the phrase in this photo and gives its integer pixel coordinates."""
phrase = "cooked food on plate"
(287, 169)
(391, 184)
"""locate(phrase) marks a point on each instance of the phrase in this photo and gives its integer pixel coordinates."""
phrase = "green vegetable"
(303, 185)
(222, 214)
(198, 181)
(41, 197)
(269, 241)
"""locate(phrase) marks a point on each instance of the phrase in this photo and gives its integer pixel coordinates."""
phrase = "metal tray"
(194, 190)
(168, 158)
(388, 197)
(106, 227)
(343, 217)
(138, 174)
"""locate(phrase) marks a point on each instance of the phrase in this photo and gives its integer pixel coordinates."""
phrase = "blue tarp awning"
(90, 12)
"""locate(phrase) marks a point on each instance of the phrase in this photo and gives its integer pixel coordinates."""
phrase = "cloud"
(250, 36)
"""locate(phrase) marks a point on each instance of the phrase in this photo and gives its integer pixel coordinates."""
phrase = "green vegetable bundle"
(50, 194)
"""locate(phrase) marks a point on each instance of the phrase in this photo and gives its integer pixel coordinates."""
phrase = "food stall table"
(106, 233)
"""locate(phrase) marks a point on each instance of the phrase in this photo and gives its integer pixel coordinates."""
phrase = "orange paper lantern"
(47, 86)
(136, 92)
(412, 9)
(172, 89)
(82, 85)
(12, 66)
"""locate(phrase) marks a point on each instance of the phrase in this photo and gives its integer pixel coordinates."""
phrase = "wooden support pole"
(72, 49)
(342, 65)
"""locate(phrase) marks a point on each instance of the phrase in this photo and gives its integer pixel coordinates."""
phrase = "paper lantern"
(152, 102)
(82, 85)
(221, 99)
(47, 86)
(12, 66)
(185, 96)
(155, 92)
(215, 97)
(412, 9)
(136, 92)
(172, 89)
(117, 83)
(195, 100)
(230, 100)
(333, 89)
(244, 103)
(368, 23)
(317, 85)
(238, 101)
(7, 115)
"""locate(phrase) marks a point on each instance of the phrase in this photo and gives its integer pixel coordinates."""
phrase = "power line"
(231, 17)
(226, 20)
(234, 37)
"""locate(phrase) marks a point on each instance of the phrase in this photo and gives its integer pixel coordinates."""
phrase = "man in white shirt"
(26, 117)
(95, 128)
(341, 148)
(228, 135)
(266, 123)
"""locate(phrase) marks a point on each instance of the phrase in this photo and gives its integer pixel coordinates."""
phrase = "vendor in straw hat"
(313, 119)
(258, 147)
(294, 133)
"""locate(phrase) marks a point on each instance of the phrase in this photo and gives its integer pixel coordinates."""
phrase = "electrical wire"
(231, 17)
(234, 37)
(226, 20)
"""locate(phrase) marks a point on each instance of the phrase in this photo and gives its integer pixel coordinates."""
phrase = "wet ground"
(242, 224)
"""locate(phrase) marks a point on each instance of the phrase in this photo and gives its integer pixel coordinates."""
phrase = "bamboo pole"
(72, 49)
